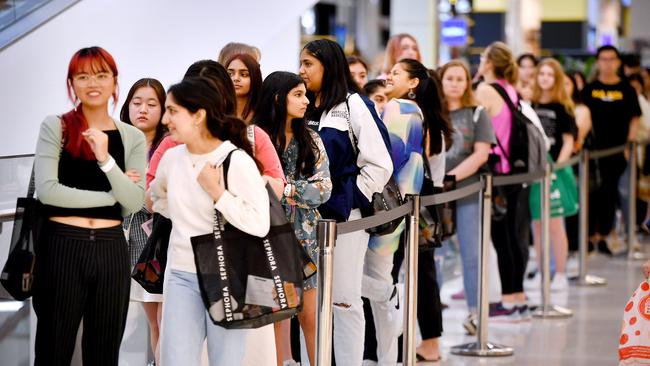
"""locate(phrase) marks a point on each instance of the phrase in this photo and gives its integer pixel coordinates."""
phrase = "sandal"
(420, 358)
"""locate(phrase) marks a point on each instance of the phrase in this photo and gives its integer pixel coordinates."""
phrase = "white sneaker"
(572, 266)
(560, 283)
(534, 283)
(396, 308)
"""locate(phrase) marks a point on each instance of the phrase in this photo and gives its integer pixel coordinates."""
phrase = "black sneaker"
(604, 248)
(499, 312)
(524, 312)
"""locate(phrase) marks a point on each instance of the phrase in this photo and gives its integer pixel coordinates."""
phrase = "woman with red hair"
(88, 168)
(399, 47)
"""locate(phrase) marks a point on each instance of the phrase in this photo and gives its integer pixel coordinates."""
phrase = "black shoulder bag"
(149, 272)
(18, 272)
(247, 281)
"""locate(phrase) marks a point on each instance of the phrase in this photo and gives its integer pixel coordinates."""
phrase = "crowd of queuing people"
(325, 140)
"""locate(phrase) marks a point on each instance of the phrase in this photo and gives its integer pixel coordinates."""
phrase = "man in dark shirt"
(615, 115)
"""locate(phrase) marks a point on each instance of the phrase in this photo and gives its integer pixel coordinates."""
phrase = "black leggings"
(80, 273)
(429, 308)
(603, 200)
(511, 238)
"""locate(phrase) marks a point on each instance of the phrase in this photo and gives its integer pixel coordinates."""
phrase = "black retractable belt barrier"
(328, 230)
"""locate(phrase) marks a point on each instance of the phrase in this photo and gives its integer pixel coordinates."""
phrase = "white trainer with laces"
(395, 305)
(560, 283)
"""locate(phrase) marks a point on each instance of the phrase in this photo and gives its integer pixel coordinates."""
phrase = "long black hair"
(272, 117)
(436, 124)
(337, 81)
(159, 90)
(215, 72)
(255, 74)
(196, 93)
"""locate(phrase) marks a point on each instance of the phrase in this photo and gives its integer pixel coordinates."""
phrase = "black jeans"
(511, 238)
(80, 273)
(603, 200)
(429, 307)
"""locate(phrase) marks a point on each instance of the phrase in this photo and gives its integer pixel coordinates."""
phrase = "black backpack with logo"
(518, 156)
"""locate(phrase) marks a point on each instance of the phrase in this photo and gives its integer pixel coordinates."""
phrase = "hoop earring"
(411, 95)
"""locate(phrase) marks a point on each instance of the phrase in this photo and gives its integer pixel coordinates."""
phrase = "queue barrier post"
(410, 281)
(326, 242)
(633, 248)
(482, 347)
(546, 310)
(585, 279)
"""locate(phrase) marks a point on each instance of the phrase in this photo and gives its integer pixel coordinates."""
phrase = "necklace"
(195, 159)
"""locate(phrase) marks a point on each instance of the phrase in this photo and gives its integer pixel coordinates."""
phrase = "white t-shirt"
(437, 165)
(176, 194)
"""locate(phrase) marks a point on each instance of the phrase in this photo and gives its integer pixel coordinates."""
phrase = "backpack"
(527, 142)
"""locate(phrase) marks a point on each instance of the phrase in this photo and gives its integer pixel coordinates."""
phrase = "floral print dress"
(306, 194)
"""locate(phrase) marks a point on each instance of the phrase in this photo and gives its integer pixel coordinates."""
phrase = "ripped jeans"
(349, 321)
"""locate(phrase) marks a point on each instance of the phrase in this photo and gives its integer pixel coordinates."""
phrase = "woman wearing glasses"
(88, 170)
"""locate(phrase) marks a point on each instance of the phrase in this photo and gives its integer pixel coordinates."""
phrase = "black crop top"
(87, 175)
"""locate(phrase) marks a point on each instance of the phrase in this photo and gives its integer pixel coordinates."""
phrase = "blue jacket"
(355, 177)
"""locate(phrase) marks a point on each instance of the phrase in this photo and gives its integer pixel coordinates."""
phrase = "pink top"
(264, 152)
(502, 124)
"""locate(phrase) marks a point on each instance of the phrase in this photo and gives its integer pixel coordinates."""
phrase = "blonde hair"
(503, 63)
(467, 100)
(558, 91)
(393, 48)
(234, 48)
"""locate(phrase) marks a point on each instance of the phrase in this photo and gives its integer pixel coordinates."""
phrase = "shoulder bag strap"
(217, 230)
(225, 165)
(353, 138)
(31, 188)
(250, 134)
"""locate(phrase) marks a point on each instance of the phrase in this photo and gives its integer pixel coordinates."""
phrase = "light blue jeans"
(467, 231)
(186, 324)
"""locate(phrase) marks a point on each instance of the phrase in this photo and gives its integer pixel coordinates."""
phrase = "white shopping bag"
(634, 344)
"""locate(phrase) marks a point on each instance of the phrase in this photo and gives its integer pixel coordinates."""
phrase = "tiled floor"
(590, 337)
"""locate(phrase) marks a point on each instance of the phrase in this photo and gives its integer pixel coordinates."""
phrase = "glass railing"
(19, 17)
(14, 179)
(15, 327)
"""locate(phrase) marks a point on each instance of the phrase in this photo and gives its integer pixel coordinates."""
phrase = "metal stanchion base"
(637, 256)
(590, 280)
(552, 312)
(486, 350)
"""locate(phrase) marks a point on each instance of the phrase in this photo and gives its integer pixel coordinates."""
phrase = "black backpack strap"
(506, 98)
(504, 95)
